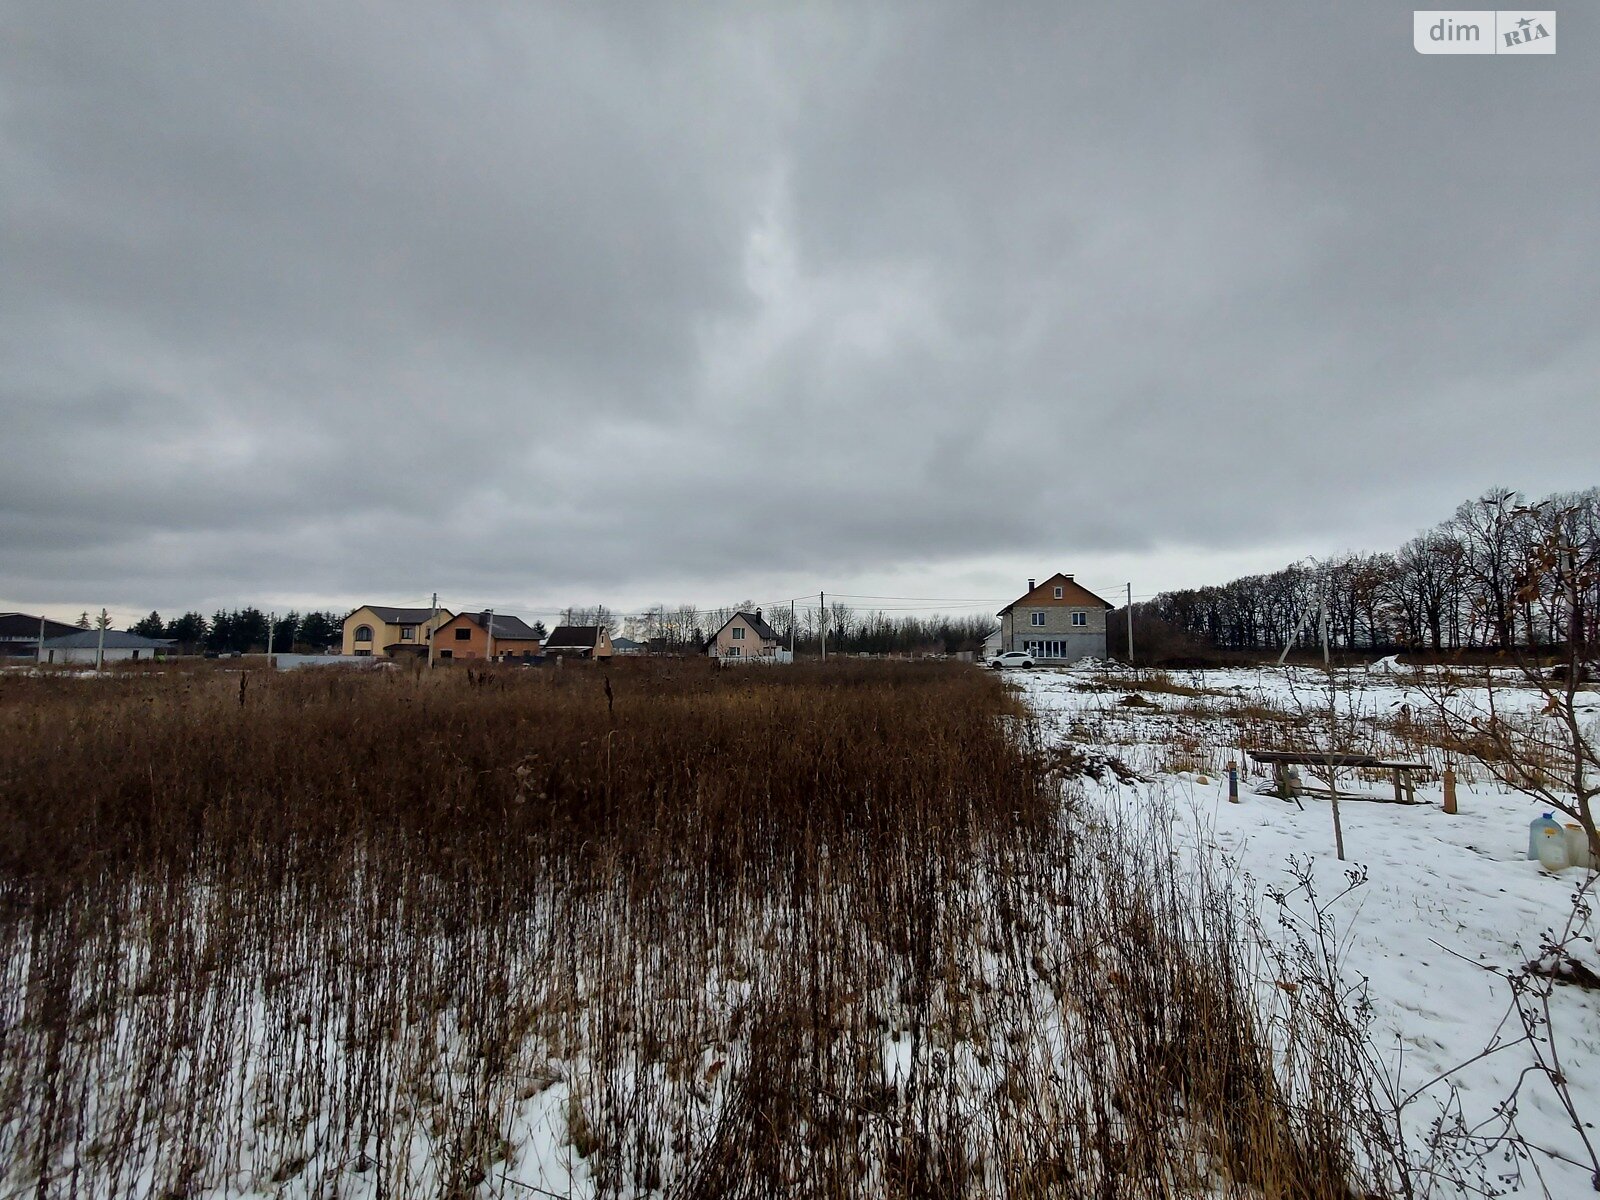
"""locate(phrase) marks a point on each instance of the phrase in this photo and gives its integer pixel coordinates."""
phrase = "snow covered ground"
(1444, 896)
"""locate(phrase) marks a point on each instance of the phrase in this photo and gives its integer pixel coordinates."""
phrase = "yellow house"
(375, 630)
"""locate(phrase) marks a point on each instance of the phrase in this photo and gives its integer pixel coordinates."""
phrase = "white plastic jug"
(1578, 847)
(1553, 849)
(1537, 828)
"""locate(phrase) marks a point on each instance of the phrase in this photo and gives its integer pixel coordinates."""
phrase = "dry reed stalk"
(822, 932)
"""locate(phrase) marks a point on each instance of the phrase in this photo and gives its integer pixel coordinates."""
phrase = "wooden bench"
(1405, 791)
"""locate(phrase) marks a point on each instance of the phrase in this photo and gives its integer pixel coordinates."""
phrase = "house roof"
(1072, 593)
(763, 631)
(26, 626)
(577, 637)
(505, 625)
(401, 616)
(625, 643)
(116, 639)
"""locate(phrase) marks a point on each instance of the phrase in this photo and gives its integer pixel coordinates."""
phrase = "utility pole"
(490, 654)
(100, 646)
(1294, 637)
(40, 656)
(433, 621)
(1130, 623)
(272, 627)
(791, 629)
(822, 617)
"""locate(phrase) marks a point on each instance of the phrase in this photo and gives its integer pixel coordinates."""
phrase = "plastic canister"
(1553, 850)
(1578, 847)
(1537, 828)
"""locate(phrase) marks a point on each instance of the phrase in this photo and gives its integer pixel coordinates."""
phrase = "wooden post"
(1450, 790)
(1333, 739)
(1398, 790)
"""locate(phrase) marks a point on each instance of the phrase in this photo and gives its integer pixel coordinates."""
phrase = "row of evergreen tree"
(244, 631)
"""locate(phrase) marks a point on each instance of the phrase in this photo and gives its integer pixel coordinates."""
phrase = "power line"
(930, 599)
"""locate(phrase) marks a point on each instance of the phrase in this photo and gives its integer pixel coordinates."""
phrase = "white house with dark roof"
(745, 636)
(84, 646)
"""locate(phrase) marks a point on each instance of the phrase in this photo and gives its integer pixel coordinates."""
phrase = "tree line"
(244, 631)
(1502, 572)
(686, 628)
(673, 629)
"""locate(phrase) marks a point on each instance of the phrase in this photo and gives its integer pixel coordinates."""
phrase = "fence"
(776, 658)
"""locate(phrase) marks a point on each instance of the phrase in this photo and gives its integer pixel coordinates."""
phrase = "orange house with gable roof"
(467, 636)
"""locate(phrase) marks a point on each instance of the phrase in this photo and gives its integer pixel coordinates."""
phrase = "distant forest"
(679, 629)
(1502, 573)
(244, 631)
(850, 629)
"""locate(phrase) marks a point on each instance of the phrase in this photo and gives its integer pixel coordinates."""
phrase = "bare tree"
(1549, 749)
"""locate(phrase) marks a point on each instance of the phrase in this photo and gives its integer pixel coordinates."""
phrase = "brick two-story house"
(1056, 621)
(466, 635)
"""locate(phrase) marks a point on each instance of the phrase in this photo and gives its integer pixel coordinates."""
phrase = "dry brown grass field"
(820, 931)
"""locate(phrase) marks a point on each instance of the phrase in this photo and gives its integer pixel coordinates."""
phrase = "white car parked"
(1011, 658)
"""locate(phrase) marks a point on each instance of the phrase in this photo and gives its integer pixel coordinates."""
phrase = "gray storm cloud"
(339, 300)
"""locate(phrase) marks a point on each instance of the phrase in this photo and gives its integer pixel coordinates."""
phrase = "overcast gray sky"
(535, 304)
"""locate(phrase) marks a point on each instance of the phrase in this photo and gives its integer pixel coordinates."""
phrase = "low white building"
(993, 644)
(85, 646)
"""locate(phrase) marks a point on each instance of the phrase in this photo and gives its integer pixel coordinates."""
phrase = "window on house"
(738, 633)
(408, 633)
(359, 653)
(1059, 593)
(1080, 618)
(733, 652)
(463, 634)
(1036, 618)
(447, 654)
(363, 633)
